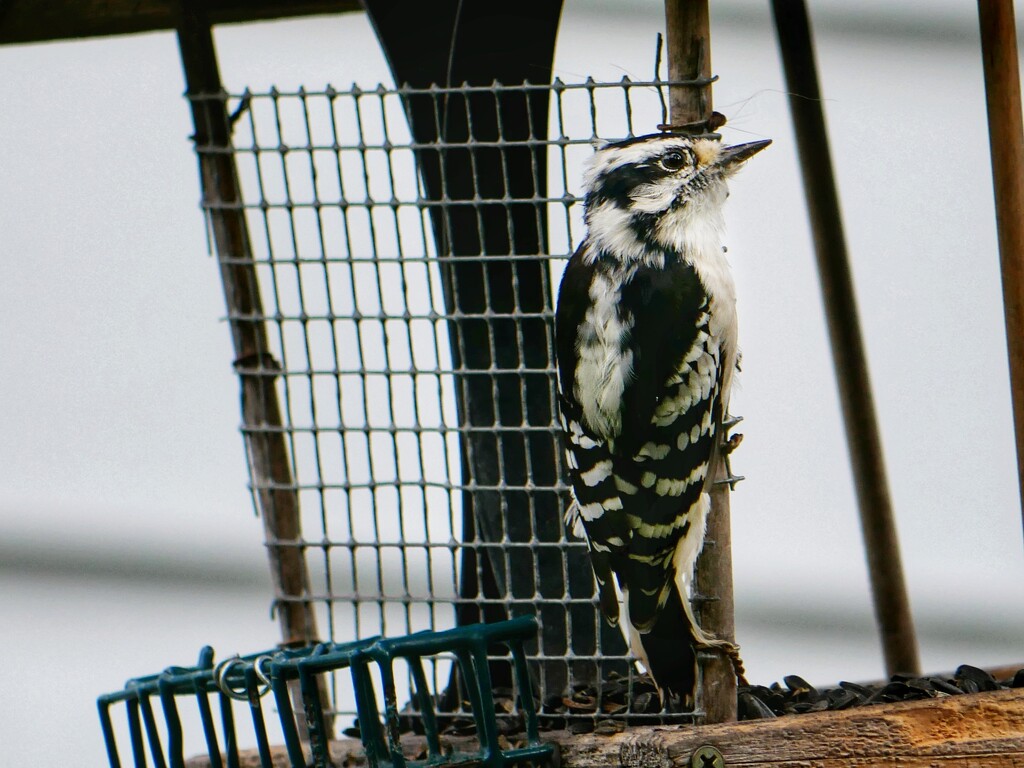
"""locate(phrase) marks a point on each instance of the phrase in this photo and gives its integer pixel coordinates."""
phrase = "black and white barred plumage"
(646, 346)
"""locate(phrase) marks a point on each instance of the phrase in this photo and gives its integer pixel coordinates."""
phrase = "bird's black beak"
(731, 157)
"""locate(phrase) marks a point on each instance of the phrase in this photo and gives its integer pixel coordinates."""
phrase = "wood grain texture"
(983, 730)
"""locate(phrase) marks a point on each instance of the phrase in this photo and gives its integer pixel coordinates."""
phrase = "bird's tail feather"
(671, 655)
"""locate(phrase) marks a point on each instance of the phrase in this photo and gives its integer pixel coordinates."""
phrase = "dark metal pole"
(1006, 142)
(688, 38)
(892, 607)
(269, 463)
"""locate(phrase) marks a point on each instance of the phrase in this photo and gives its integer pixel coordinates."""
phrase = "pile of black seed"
(798, 696)
(616, 703)
(619, 702)
(608, 707)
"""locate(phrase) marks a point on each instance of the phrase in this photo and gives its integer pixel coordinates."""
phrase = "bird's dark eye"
(673, 161)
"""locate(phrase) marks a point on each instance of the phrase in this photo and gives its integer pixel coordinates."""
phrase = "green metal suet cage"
(153, 705)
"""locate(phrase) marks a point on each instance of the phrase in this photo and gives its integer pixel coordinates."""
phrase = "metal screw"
(707, 757)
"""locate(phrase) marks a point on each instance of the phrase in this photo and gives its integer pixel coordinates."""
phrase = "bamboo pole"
(688, 38)
(1006, 143)
(892, 606)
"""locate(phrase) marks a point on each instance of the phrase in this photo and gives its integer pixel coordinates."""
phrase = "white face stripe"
(610, 157)
(608, 226)
(688, 228)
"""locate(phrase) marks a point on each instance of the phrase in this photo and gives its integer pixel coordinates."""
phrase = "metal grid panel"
(364, 322)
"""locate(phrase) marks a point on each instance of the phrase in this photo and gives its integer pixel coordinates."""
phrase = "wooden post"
(1006, 143)
(688, 40)
(269, 462)
(892, 606)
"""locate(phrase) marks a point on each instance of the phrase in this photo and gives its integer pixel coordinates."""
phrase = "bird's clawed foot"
(732, 651)
(729, 443)
(732, 443)
(731, 421)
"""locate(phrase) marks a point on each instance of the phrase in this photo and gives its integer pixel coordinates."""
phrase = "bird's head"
(659, 191)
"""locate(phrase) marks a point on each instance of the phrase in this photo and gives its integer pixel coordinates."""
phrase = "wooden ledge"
(981, 730)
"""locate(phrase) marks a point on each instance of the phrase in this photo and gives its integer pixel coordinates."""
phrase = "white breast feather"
(696, 230)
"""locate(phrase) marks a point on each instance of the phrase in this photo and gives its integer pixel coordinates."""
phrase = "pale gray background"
(127, 539)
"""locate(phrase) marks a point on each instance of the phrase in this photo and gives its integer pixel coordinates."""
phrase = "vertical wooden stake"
(688, 43)
(269, 462)
(1006, 143)
(892, 606)
(688, 38)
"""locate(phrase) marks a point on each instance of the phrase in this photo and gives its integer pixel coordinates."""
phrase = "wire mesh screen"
(396, 252)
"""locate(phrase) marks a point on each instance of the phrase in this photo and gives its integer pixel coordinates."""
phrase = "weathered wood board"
(982, 730)
(979, 730)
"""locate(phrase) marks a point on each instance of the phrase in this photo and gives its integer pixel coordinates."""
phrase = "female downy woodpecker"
(646, 347)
